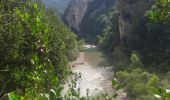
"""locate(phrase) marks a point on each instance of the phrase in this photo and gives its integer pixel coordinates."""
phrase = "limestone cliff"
(84, 16)
(132, 15)
(75, 13)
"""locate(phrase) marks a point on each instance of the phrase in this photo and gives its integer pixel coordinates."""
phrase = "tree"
(160, 12)
(34, 49)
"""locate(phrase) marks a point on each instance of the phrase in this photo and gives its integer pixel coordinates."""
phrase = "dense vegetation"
(142, 56)
(35, 47)
(149, 34)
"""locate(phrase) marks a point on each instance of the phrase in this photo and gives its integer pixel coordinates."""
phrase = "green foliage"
(81, 44)
(116, 85)
(137, 82)
(55, 93)
(159, 33)
(35, 47)
(13, 96)
(160, 11)
(63, 34)
(135, 60)
(108, 38)
(162, 94)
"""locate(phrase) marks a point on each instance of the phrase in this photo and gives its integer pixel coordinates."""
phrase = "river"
(96, 72)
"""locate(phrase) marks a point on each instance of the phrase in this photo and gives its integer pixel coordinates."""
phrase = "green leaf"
(59, 90)
(13, 96)
(161, 91)
(118, 87)
(114, 82)
(115, 95)
(35, 5)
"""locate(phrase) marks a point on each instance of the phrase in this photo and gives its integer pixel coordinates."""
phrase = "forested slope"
(35, 47)
(142, 50)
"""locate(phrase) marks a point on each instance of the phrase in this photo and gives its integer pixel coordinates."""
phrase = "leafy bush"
(162, 94)
(160, 11)
(137, 82)
(165, 82)
(34, 48)
(135, 60)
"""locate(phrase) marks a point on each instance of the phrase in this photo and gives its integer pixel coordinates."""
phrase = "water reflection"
(97, 58)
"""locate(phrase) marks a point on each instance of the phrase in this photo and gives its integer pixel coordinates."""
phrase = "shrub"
(138, 82)
(34, 48)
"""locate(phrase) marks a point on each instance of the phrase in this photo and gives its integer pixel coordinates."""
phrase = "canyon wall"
(75, 13)
(132, 16)
(83, 16)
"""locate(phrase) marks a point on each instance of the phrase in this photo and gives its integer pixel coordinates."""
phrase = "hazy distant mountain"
(60, 5)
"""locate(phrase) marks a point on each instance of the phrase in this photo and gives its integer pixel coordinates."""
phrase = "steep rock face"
(84, 17)
(132, 16)
(93, 23)
(75, 13)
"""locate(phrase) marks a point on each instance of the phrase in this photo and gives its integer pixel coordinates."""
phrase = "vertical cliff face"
(132, 15)
(124, 7)
(84, 17)
(75, 13)
(93, 23)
